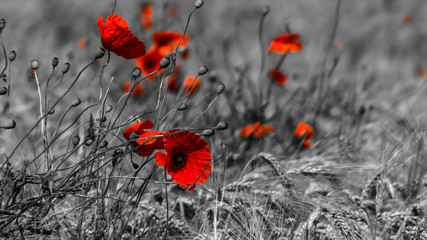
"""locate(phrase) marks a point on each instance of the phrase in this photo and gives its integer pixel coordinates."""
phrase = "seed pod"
(12, 55)
(88, 142)
(164, 63)
(52, 111)
(198, 3)
(203, 70)
(100, 53)
(109, 108)
(265, 10)
(182, 107)
(7, 123)
(76, 140)
(66, 67)
(135, 166)
(222, 126)
(2, 23)
(136, 72)
(103, 144)
(55, 62)
(220, 89)
(34, 64)
(208, 132)
(3, 91)
(76, 102)
(103, 119)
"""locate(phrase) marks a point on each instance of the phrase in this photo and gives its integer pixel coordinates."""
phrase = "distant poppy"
(144, 145)
(116, 37)
(306, 132)
(173, 10)
(284, 43)
(340, 46)
(172, 86)
(188, 158)
(185, 52)
(407, 19)
(166, 42)
(146, 16)
(421, 73)
(81, 43)
(278, 76)
(256, 130)
(192, 86)
(139, 90)
(150, 62)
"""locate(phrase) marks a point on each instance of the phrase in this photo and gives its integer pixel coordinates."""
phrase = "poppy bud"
(7, 123)
(265, 10)
(135, 166)
(182, 107)
(198, 3)
(104, 144)
(173, 56)
(220, 89)
(164, 63)
(52, 111)
(222, 126)
(109, 108)
(76, 140)
(3, 91)
(12, 55)
(100, 53)
(103, 119)
(76, 102)
(136, 72)
(2, 23)
(34, 64)
(88, 142)
(203, 70)
(65, 68)
(208, 132)
(55, 62)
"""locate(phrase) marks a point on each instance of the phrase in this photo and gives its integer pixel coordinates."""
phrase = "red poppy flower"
(421, 73)
(173, 10)
(139, 90)
(256, 130)
(173, 87)
(192, 86)
(116, 37)
(166, 42)
(278, 76)
(284, 43)
(306, 132)
(150, 62)
(81, 43)
(148, 140)
(188, 158)
(146, 16)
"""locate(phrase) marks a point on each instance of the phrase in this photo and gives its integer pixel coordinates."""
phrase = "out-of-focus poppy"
(421, 73)
(407, 19)
(185, 52)
(305, 132)
(116, 37)
(173, 10)
(192, 86)
(150, 62)
(139, 90)
(146, 16)
(256, 130)
(148, 141)
(284, 43)
(188, 158)
(278, 76)
(81, 43)
(173, 86)
(340, 46)
(166, 42)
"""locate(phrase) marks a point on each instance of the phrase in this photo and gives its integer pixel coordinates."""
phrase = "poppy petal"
(278, 76)
(284, 43)
(191, 86)
(161, 159)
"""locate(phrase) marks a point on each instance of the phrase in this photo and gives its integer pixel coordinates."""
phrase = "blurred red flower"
(421, 73)
(172, 86)
(146, 16)
(116, 37)
(306, 132)
(278, 76)
(256, 130)
(188, 158)
(139, 90)
(148, 140)
(166, 42)
(81, 43)
(192, 86)
(150, 62)
(407, 19)
(173, 10)
(284, 43)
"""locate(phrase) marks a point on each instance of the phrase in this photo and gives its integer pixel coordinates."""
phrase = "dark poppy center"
(178, 162)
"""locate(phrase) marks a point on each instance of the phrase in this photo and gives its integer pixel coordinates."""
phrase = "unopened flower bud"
(12, 55)
(103, 119)
(265, 10)
(182, 107)
(198, 3)
(135, 166)
(220, 89)
(203, 70)
(88, 142)
(208, 132)
(35, 64)
(164, 63)
(136, 72)
(76, 140)
(100, 53)
(7, 123)
(108, 109)
(65, 68)
(3, 91)
(52, 111)
(76, 102)
(55, 62)
(222, 126)
(2, 23)
(104, 144)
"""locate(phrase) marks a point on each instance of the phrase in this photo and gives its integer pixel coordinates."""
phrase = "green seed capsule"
(104, 144)
(220, 89)
(109, 108)
(12, 56)
(76, 102)
(198, 3)
(182, 107)
(7, 123)
(136, 72)
(100, 53)
(203, 70)
(208, 132)
(3, 91)
(55, 62)
(65, 68)
(76, 140)
(34, 64)
(164, 63)
(222, 126)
